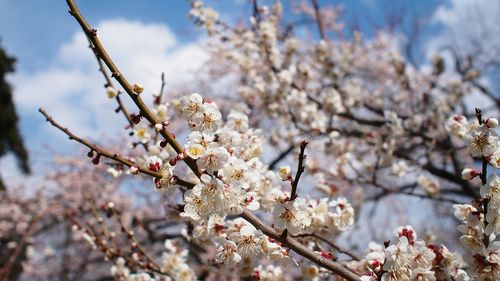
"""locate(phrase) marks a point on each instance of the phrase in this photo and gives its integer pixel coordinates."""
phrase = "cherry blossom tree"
(259, 180)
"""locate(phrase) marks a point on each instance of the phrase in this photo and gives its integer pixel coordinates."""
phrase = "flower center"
(287, 215)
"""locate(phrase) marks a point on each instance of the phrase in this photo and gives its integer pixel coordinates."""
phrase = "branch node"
(284, 234)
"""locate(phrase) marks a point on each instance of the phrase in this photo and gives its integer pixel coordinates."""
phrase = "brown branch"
(144, 110)
(158, 99)
(290, 242)
(108, 154)
(133, 241)
(97, 149)
(109, 83)
(484, 161)
(319, 20)
(333, 245)
(396, 191)
(162, 88)
(443, 174)
(300, 169)
(484, 179)
(302, 250)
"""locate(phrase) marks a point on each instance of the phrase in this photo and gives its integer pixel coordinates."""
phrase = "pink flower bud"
(163, 143)
(155, 166)
(96, 159)
(134, 170)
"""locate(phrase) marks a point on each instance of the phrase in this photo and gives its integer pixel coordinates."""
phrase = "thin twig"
(102, 152)
(333, 245)
(300, 169)
(158, 99)
(97, 149)
(299, 248)
(109, 83)
(319, 20)
(280, 157)
(162, 88)
(115, 73)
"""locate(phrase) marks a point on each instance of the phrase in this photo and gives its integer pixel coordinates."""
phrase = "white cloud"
(71, 88)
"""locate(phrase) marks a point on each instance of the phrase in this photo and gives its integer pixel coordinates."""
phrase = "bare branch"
(319, 20)
(300, 170)
(144, 110)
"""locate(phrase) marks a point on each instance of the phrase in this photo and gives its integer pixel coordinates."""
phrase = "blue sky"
(32, 30)
(55, 68)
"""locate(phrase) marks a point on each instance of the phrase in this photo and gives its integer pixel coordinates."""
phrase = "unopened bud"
(491, 122)
(138, 88)
(111, 92)
(136, 118)
(134, 170)
(157, 182)
(96, 159)
(163, 143)
(468, 174)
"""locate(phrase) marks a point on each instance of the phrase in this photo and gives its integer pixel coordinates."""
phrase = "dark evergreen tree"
(10, 137)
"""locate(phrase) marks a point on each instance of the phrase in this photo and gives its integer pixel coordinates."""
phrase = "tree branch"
(302, 250)
(300, 169)
(254, 220)
(333, 245)
(144, 110)
(97, 149)
(319, 20)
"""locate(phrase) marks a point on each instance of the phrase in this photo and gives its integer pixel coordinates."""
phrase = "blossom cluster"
(234, 178)
(481, 139)
(411, 259)
(480, 219)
